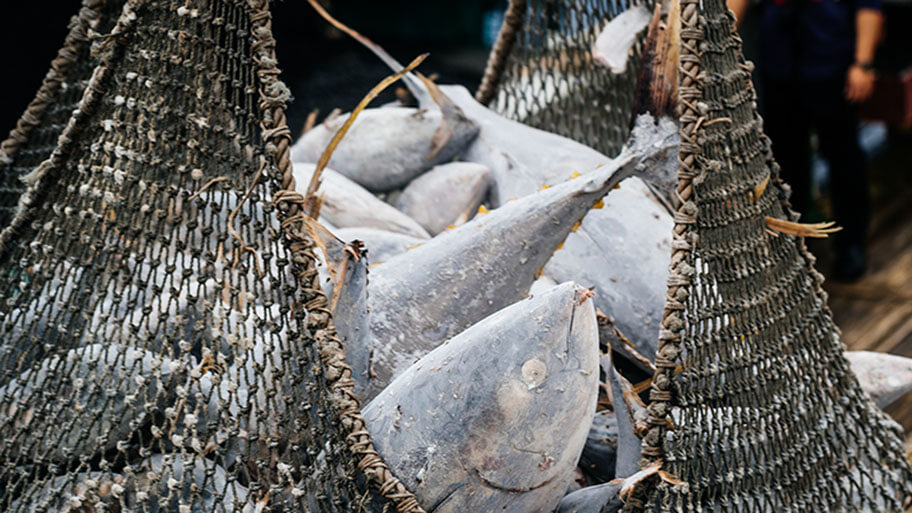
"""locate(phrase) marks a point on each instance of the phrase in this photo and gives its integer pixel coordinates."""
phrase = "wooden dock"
(875, 313)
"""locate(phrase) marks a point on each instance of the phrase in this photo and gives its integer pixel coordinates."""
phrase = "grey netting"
(165, 344)
(35, 135)
(541, 72)
(753, 405)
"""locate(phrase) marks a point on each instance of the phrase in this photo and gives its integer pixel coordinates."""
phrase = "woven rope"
(765, 414)
(338, 373)
(497, 60)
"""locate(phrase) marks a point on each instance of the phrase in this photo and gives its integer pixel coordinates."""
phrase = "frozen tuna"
(630, 415)
(381, 245)
(521, 159)
(542, 284)
(603, 498)
(386, 148)
(885, 377)
(495, 419)
(427, 295)
(448, 195)
(347, 204)
(599, 455)
(615, 43)
(622, 250)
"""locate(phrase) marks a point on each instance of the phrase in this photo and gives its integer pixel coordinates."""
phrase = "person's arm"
(739, 7)
(860, 82)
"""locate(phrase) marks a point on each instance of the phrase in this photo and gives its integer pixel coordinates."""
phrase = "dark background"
(324, 69)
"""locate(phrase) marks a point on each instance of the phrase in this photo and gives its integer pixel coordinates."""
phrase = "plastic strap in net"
(753, 405)
(164, 344)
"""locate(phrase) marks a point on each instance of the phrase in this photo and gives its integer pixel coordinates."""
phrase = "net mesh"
(765, 414)
(165, 345)
(36, 133)
(541, 72)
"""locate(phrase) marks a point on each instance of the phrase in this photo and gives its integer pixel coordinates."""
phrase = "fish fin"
(449, 111)
(631, 419)
(310, 122)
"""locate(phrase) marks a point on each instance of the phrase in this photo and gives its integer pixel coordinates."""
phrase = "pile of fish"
(489, 353)
(496, 287)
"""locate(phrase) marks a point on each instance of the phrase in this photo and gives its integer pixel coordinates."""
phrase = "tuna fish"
(885, 377)
(630, 415)
(603, 498)
(622, 250)
(599, 455)
(387, 147)
(381, 245)
(421, 298)
(615, 43)
(347, 204)
(495, 419)
(448, 195)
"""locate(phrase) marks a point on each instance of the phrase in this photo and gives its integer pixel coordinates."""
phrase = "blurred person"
(815, 62)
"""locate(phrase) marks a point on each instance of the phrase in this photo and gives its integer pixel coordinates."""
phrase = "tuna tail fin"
(414, 85)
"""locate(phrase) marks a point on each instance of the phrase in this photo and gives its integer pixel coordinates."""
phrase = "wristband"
(866, 65)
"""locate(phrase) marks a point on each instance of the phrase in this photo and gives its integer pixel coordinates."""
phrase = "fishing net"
(36, 133)
(541, 72)
(164, 345)
(753, 406)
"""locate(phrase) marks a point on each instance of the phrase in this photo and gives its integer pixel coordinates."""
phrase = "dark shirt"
(808, 39)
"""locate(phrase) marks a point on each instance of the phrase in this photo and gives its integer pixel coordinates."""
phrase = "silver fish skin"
(614, 43)
(431, 293)
(495, 419)
(542, 284)
(884, 377)
(602, 498)
(599, 455)
(347, 204)
(629, 415)
(381, 245)
(386, 148)
(447, 195)
(522, 159)
(622, 250)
